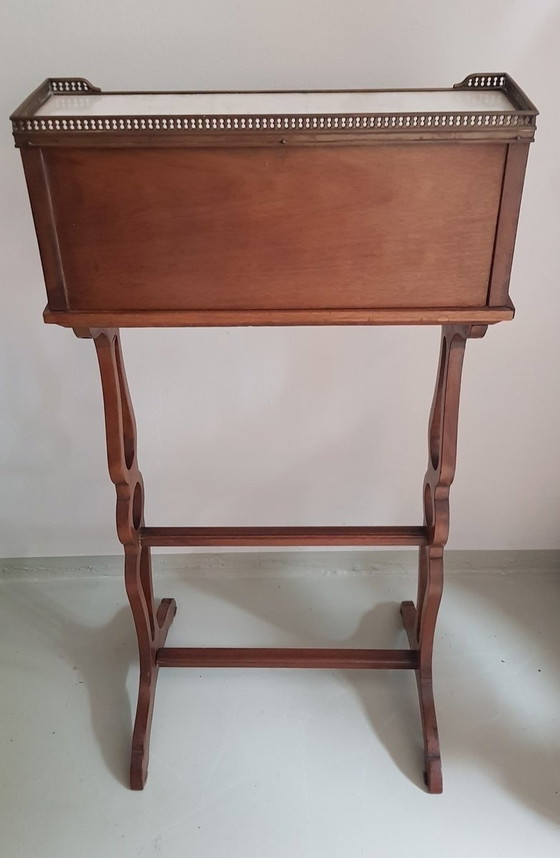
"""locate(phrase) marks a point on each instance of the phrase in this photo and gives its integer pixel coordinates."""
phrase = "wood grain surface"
(295, 228)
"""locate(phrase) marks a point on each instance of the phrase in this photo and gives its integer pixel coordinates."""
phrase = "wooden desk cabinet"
(327, 208)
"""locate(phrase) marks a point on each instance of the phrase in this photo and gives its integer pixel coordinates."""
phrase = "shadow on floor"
(101, 656)
(388, 697)
(475, 724)
(510, 748)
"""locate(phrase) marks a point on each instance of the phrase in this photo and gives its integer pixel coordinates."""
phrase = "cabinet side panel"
(514, 177)
(37, 180)
(285, 228)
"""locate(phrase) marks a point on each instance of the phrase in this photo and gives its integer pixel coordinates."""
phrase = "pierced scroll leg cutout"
(420, 621)
(151, 623)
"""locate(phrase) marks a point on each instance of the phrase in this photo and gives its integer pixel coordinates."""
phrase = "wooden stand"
(347, 212)
(152, 622)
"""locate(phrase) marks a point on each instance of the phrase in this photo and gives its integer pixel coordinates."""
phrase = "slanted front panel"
(277, 228)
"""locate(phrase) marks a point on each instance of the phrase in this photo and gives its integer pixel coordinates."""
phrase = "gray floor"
(321, 764)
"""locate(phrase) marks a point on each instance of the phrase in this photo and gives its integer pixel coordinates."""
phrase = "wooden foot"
(432, 758)
(146, 696)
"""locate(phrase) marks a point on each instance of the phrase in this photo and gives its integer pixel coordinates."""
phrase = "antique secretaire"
(277, 208)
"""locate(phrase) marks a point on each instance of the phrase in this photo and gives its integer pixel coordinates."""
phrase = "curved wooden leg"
(151, 623)
(433, 589)
(148, 645)
(420, 621)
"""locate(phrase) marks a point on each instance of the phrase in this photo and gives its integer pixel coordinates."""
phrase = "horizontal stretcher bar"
(232, 536)
(347, 659)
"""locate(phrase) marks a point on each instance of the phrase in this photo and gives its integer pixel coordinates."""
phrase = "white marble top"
(275, 103)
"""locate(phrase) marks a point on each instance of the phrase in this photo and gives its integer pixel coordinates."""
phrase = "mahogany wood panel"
(285, 228)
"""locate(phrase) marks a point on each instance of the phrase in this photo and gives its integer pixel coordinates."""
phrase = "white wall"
(281, 426)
